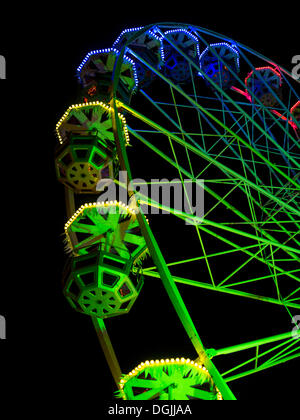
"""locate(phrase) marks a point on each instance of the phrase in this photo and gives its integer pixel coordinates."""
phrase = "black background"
(51, 353)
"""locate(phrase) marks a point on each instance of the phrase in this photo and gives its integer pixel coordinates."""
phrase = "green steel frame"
(241, 149)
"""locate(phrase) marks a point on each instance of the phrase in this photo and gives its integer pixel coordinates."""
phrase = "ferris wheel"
(212, 110)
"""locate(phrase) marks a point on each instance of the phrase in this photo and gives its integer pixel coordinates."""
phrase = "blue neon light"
(210, 66)
(178, 30)
(126, 31)
(107, 51)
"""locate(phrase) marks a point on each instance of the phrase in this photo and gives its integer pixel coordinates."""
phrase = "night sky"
(52, 352)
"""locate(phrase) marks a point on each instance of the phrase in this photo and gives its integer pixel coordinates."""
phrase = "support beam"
(163, 269)
(260, 368)
(227, 290)
(107, 348)
(254, 343)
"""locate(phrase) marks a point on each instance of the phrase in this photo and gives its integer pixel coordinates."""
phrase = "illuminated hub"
(168, 379)
(175, 65)
(87, 151)
(146, 46)
(100, 284)
(216, 61)
(264, 84)
(95, 75)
